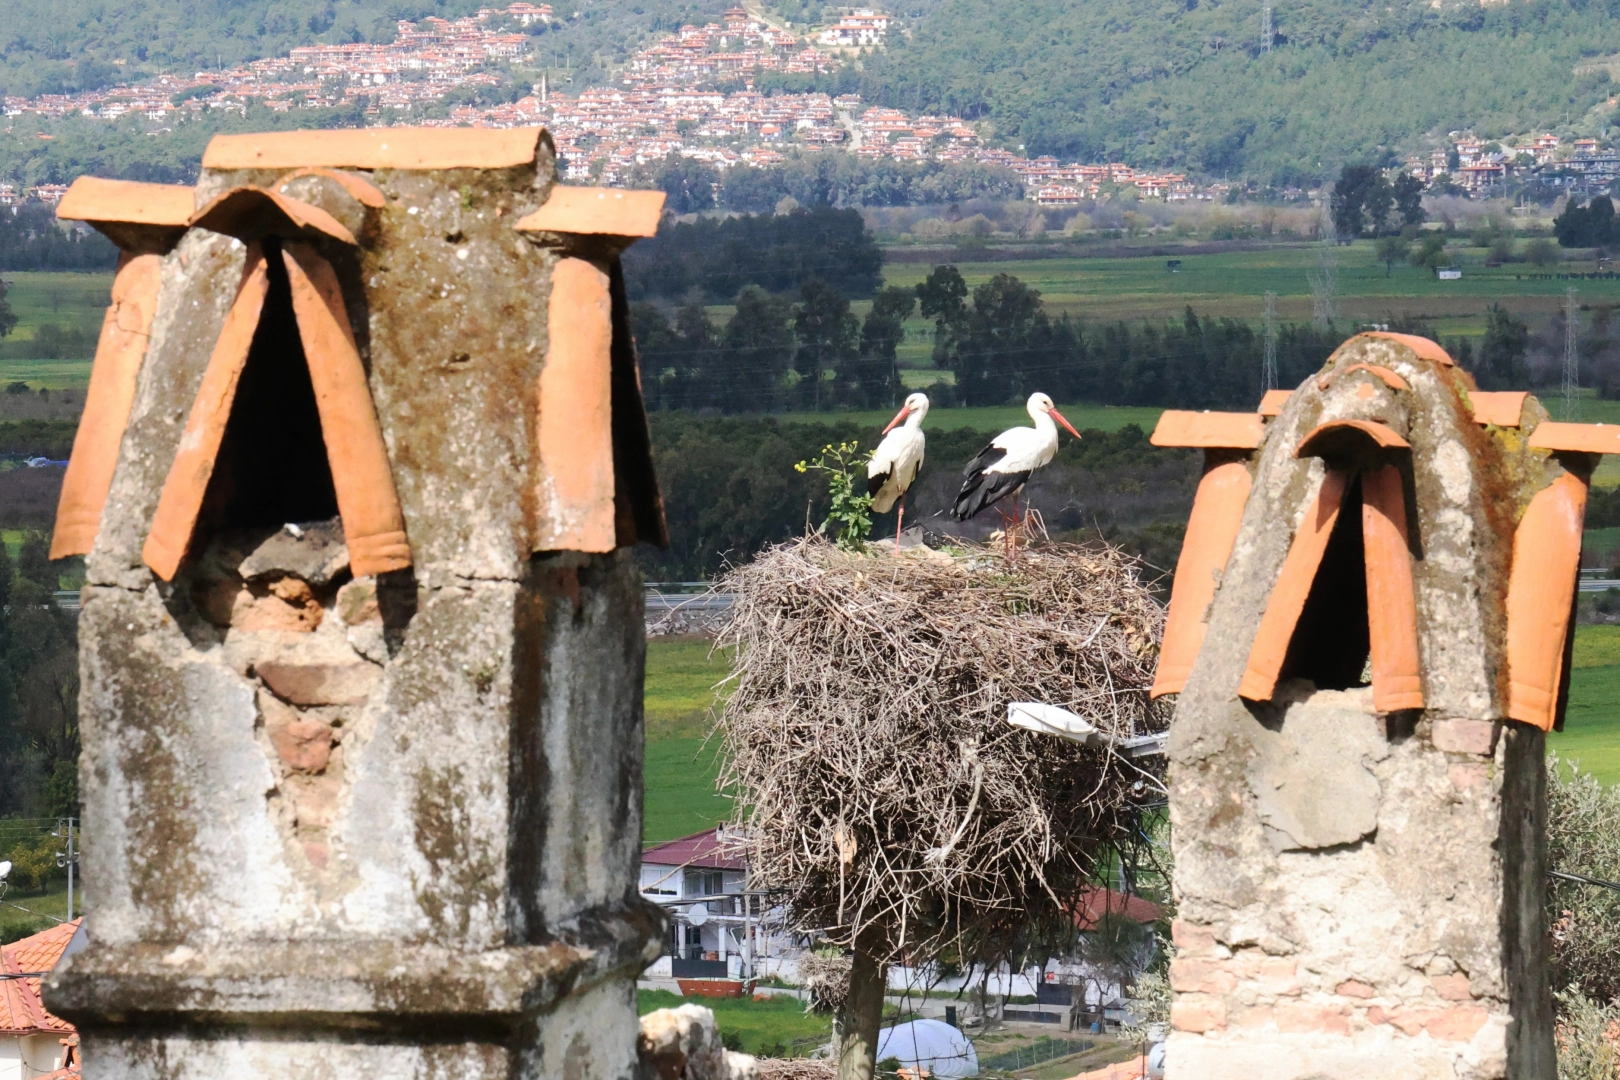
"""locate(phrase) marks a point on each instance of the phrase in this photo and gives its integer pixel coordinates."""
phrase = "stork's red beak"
(905, 411)
(1054, 414)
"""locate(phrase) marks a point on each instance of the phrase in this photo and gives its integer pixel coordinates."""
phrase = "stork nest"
(866, 737)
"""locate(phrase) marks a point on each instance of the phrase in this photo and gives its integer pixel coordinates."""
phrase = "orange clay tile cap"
(1541, 586)
(1273, 401)
(1587, 438)
(1501, 408)
(1235, 431)
(1217, 514)
(1425, 349)
(377, 148)
(93, 199)
(600, 211)
(1313, 444)
(250, 213)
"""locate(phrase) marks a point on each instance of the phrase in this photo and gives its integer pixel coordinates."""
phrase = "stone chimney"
(1369, 635)
(362, 645)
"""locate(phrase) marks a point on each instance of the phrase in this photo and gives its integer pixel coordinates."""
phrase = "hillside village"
(693, 93)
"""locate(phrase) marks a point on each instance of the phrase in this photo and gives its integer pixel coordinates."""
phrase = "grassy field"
(680, 770)
(1591, 734)
(773, 1027)
(66, 300)
(1235, 283)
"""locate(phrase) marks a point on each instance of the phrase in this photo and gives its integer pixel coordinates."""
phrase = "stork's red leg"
(898, 522)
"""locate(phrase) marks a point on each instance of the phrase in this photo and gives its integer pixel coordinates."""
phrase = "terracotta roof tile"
(377, 148)
(1096, 902)
(599, 211)
(1237, 431)
(1588, 438)
(1502, 408)
(94, 199)
(21, 1010)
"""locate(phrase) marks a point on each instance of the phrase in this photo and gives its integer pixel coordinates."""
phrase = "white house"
(713, 932)
(34, 1045)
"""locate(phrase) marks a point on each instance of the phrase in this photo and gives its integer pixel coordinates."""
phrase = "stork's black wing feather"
(984, 459)
(874, 484)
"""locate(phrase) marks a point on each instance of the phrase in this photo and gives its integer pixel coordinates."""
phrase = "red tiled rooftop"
(21, 1010)
(701, 850)
(1094, 903)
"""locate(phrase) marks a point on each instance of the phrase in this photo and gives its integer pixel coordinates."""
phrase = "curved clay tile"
(599, 211)
(187, 482)
(363, 190)
(107, 404)
(377, 148)
(1317, 441)
(373, 525)
(1293, 588)
(1217, 512)
(1390, 379)
(1216, 430)
(251, 213)
(1391, 604)
(575, 489)
(1541, 589)
(1424, 347)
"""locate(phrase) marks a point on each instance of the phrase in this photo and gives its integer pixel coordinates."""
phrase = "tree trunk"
(862, 1013)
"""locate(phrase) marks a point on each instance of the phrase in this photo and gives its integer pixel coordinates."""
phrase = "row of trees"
(32, 239)
(775, 353)
(824, 179)
(715, 257)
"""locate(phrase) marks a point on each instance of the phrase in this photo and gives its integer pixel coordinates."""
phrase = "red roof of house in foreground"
(1094, 903)
(21, 1010)
(702, 851)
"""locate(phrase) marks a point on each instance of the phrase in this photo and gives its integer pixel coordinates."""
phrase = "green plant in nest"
(849, 516)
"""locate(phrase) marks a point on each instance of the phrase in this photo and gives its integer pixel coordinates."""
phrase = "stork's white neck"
(1043, 421)
(914, 418)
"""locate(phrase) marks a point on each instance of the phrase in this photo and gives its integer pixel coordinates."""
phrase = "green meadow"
(771, 1027)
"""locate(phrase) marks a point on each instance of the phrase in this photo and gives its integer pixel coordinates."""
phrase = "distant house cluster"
(423, 63)
(859, 29)
(1477, 165)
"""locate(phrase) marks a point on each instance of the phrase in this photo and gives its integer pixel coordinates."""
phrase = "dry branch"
(866, 736)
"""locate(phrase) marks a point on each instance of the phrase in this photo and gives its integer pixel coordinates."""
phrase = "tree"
(1349, 203)
(1408, 195)
(873, 378)
(758, 348)
(1540, 252)
(1503, 352)
(689, 184)
(1391, 250)
(828, 333)
(8, 318)
(1592, 225)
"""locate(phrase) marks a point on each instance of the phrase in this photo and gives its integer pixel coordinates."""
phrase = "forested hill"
(1184, 82)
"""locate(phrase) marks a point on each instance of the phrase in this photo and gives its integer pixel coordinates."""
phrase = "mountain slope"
(1185, 83)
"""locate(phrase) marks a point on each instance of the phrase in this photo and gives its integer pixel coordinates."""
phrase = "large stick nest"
(866, 738)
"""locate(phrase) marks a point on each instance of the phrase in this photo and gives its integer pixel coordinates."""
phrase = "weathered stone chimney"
(1369, 634)
(361, 645)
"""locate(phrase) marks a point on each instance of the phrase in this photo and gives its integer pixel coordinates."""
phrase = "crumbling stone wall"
(1359, 890)
(354, 821)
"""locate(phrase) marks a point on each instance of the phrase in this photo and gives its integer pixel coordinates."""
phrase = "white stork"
(897, 460)
(1002, 468)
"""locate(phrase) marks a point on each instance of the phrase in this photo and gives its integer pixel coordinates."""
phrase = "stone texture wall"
(1358, 891)
(387, 824)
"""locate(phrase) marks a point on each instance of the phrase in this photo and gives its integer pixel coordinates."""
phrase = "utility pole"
(1265, 30)
(1572, 363)
(1268, 370)
(69, 858)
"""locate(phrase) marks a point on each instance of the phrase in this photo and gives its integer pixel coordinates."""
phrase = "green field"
(39, 299)
(1235, 284)
(771, 1027)
(679, 772)
(1591, 734)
